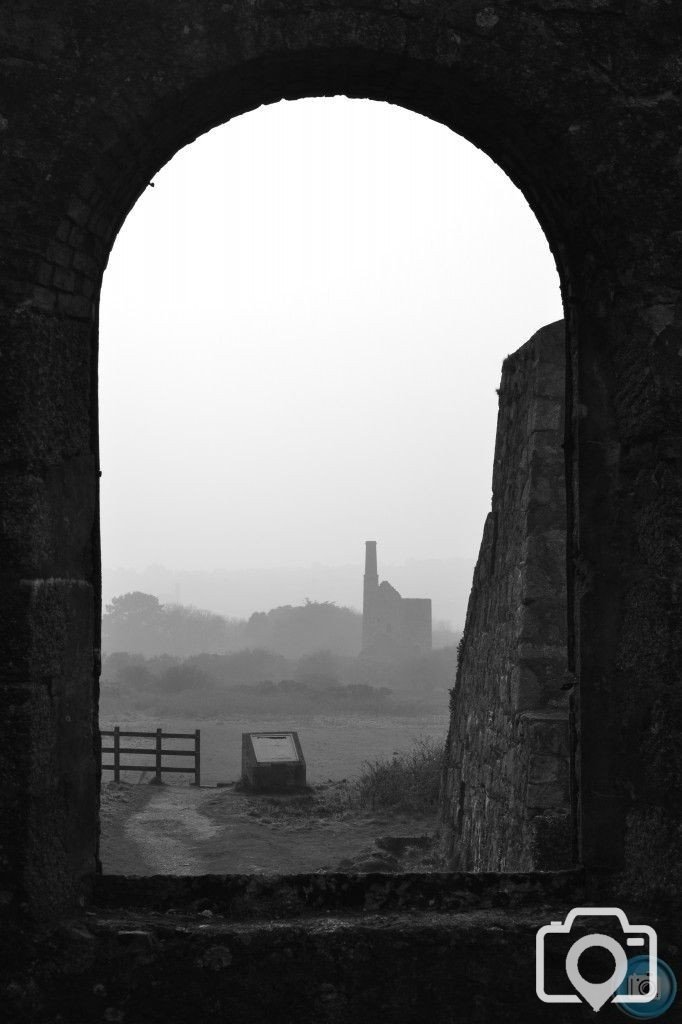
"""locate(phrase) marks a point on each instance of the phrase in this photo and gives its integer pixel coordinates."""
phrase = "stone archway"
(578, 102)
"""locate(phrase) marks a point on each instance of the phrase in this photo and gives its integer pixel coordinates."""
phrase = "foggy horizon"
(239, 592)
(302, 330)
(312, 563)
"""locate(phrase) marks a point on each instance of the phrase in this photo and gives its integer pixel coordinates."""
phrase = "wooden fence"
(158, 767)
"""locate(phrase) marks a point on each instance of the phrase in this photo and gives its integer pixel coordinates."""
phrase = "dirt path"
(170, 831)
(182, 830)
(154, 830)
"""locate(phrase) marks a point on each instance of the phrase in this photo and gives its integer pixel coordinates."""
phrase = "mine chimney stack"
(371, 559)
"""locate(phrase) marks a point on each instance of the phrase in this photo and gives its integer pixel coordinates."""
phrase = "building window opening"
(302, 330)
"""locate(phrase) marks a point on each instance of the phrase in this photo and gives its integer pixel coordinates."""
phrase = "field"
(334, 747)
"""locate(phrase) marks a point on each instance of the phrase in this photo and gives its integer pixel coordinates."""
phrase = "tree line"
(140, 624)
(171, 657)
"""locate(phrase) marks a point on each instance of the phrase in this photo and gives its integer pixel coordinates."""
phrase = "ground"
(179, 828)
(182, 829)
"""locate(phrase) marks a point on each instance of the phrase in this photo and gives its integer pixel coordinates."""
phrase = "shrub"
(408, 781)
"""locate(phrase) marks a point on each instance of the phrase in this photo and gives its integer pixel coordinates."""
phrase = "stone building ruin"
(580, 102)
(506, 800)
(393, 627)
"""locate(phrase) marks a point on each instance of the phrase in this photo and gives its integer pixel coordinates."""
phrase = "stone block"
(527, 688)
(545, 768)
(48, 518)
(546, 795)
(45, 390)
(77, 306)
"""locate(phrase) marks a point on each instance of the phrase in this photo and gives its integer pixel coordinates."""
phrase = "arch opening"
(390, 369)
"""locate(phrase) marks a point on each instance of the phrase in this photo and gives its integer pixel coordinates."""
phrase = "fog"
(302, 328)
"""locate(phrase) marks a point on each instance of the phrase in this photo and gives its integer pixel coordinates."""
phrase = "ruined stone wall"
(416, 622)
(580, 102)
(506, 782)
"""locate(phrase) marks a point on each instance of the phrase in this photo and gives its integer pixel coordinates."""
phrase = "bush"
(409, 781)
(180, 678)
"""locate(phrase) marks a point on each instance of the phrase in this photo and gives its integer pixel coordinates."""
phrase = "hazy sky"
(302, 329)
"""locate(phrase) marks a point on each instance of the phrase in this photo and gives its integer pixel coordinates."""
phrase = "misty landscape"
(296, 380)
(154, 654)
(380, 723)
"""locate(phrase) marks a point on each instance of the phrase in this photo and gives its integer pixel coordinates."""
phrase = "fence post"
(117, 754)
(159, 735)
(197, 757)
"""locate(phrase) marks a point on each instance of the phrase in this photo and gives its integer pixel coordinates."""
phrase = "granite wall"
(506, 782)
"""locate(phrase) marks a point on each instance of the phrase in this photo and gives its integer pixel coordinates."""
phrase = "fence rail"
(157, 750)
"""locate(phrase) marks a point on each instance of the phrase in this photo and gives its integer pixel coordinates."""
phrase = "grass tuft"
(409, 781)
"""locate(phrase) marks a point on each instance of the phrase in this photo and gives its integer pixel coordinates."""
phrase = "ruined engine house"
(393, 627)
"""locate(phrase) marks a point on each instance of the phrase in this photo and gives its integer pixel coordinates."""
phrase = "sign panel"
(274, 747)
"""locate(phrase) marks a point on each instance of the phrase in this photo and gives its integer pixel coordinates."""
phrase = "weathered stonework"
(506, 801)
(317, 949)
(580, 102)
